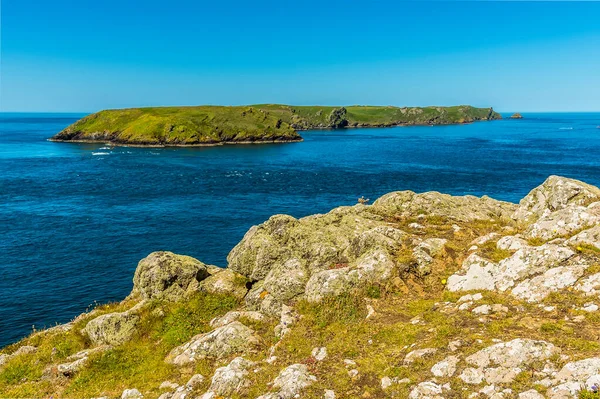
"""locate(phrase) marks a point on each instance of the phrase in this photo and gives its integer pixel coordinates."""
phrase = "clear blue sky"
(67, 55)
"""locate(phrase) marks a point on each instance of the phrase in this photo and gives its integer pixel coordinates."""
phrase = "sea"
(75, 219)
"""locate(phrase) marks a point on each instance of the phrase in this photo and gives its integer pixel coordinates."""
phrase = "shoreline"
(117, 144)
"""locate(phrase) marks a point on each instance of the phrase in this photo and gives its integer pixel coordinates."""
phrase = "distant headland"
(263, 123)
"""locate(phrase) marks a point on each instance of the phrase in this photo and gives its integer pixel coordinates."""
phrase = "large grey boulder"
(232, 338)
(225, 282)
(112, 328)
(554, 194)
(168, 276)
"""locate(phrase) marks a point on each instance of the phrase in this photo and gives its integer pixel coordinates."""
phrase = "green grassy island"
(264, 123)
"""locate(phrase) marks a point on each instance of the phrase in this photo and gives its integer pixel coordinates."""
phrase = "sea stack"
(516, 116)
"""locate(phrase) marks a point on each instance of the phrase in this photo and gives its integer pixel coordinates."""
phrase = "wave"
(100, 153)
(565, 128)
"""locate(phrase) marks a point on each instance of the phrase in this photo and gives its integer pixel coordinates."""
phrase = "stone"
(287, 318)
(478, 273)
(511, 243)
(418, 354)
(445, 368)
(331, 283)
(590, 307)
(427, 390)
(235, 315)
(589, 285)
(131, 394)
(112, 328)
(554, 194)
(463, 209)
(167, 276)
(329, 394)
(232, 378)
(472, 376)
(225, 282)
(233, 338)
(589, 237)
(286, 280)
(564, 222)
(483, 309)
(425, 252)
(552, 280)
(531, 394)
(319, 353)
(290, 382)
(513, 353)
(168, 385)
(501, 375)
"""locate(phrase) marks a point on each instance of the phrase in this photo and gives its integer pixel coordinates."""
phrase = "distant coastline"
(253, 124)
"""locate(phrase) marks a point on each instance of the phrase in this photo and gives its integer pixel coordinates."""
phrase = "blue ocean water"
(76, 218)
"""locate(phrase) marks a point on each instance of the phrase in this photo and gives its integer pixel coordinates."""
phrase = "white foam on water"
(100, 153)
(565, 128)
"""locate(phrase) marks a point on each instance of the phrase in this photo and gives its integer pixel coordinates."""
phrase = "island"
(516, 116)
(263, 123)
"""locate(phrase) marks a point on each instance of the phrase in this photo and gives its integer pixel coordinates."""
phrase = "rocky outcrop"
(232, 338)
(167, 276)
(516, 116)
(554, 194)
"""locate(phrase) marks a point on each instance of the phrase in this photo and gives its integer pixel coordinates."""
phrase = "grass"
(256, 123)
(138, 363)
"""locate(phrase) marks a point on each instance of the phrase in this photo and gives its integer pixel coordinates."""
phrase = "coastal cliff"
(265, 123)
(416, 296)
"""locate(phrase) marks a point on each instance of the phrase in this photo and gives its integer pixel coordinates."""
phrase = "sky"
(84, 56)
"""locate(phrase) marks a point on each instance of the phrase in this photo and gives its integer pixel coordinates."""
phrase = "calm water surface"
(76, 218)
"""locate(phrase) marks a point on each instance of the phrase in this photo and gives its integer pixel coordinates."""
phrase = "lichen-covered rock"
(554, 194)
(478, 273)
(425, 252)
(230, 379)
(511, 243)
(552, 280)
(167, 276)
(513, 353)
(131, 394)
(427, 390)
(331, 283)
(501, 363)
(531, 394)
(235, 315)
(233, 338)
(112, 328)
(445, 368)
(564, 222)
(584, 373)
(286, 280)
(418, 354)
(225, 282)
(589, 237)
(466, 209)
(290, 382)
(78, 360)
(589, 285)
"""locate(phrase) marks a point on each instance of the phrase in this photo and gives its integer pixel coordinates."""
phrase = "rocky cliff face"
(418, 295)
